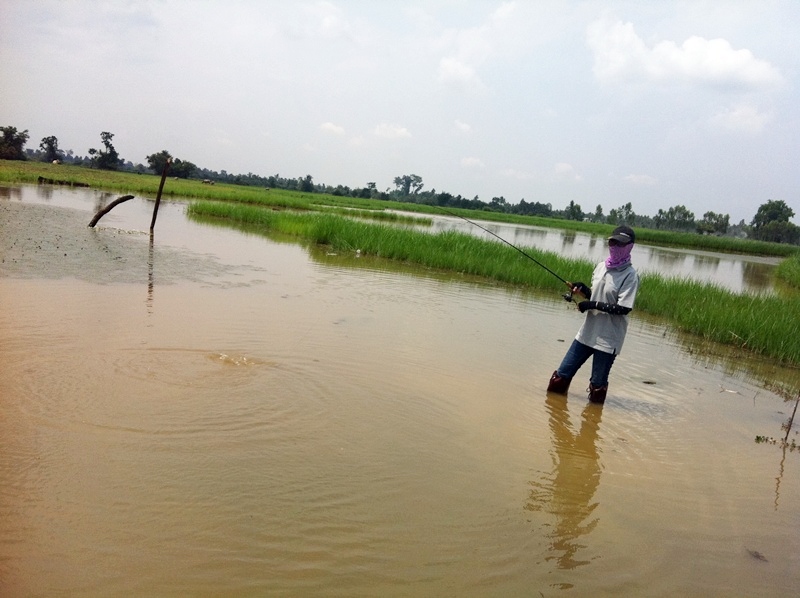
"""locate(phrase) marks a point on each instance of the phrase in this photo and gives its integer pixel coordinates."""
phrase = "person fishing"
(607, 305)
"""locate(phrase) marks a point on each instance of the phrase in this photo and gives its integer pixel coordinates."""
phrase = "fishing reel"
(567, 296)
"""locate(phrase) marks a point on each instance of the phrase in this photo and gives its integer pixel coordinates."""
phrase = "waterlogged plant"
(791, 446)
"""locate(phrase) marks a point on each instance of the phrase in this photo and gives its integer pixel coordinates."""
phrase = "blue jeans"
(578, 354)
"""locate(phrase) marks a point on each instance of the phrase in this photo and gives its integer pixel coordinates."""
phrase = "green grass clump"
(763, 324)
(788, 271)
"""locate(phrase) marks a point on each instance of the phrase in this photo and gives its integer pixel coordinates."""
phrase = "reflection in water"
(669, 260)
(101, 200)
(755, 276)
(150, 275)
(785, 445)
(529, 236)
(45, 192)
(567, 493)
(568, 239)
(709, 262)
(10, 193)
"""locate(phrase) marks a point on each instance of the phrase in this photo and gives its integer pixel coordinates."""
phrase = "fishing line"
(567, 296)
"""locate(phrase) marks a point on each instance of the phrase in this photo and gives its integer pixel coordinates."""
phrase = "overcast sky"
(657, 103)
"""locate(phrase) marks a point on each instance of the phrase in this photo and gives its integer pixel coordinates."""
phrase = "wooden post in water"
(158, 197)
(108, 208)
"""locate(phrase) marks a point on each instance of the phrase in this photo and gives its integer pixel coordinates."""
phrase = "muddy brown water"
(222, 413)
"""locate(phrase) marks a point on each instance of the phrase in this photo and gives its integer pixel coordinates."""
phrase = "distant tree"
(777, 231)
(713, 223)
(771, 223)
(107, 159)
(157, 161)
(675, 218)
(49, 147)
(772, 211)
(573, 212)
(533, 209)
(306, 184)
(183, 169)
(598, 214)
(13, 143)
(622, 215)
(408, 184)
(498, 204)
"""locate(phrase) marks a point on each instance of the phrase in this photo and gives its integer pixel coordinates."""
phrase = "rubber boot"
(597, 394)
(558, 384)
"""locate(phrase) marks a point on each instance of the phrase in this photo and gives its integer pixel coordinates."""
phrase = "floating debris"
(756, 555)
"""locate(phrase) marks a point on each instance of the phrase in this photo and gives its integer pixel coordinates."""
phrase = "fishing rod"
(567, 296)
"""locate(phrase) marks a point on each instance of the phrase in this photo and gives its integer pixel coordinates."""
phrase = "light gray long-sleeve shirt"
(615, 286)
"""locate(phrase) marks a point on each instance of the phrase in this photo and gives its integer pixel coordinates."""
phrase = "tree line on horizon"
(770, 223)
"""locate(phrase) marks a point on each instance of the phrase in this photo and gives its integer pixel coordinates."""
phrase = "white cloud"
(329, 127)
(741, 118)
(469, 49)
(453, 71)
(512, 173)
(327, 21)
(463, 127)
(641, 180)
(357, 141)
(472, 162)
(391, 131)
(621, 55)
(563, 170)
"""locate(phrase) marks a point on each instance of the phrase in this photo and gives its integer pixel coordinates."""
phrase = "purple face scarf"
(619, 255)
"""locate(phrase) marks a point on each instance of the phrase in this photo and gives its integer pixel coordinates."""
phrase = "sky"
(659, 104)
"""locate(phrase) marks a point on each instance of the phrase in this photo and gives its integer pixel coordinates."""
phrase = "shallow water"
(225, 414)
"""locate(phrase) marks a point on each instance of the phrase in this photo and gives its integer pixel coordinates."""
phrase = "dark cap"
(623, 234)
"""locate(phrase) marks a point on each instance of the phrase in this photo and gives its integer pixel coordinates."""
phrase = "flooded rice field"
(214, 413)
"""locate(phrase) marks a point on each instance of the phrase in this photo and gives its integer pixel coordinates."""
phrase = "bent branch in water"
(108, 208)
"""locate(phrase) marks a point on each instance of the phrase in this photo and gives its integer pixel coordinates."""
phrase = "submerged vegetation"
(760, 324)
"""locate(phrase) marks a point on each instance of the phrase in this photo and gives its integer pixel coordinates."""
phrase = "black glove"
(582, 289)
(614, 310)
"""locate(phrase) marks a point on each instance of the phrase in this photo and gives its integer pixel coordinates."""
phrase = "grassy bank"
(756, 323)
(147, 185)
